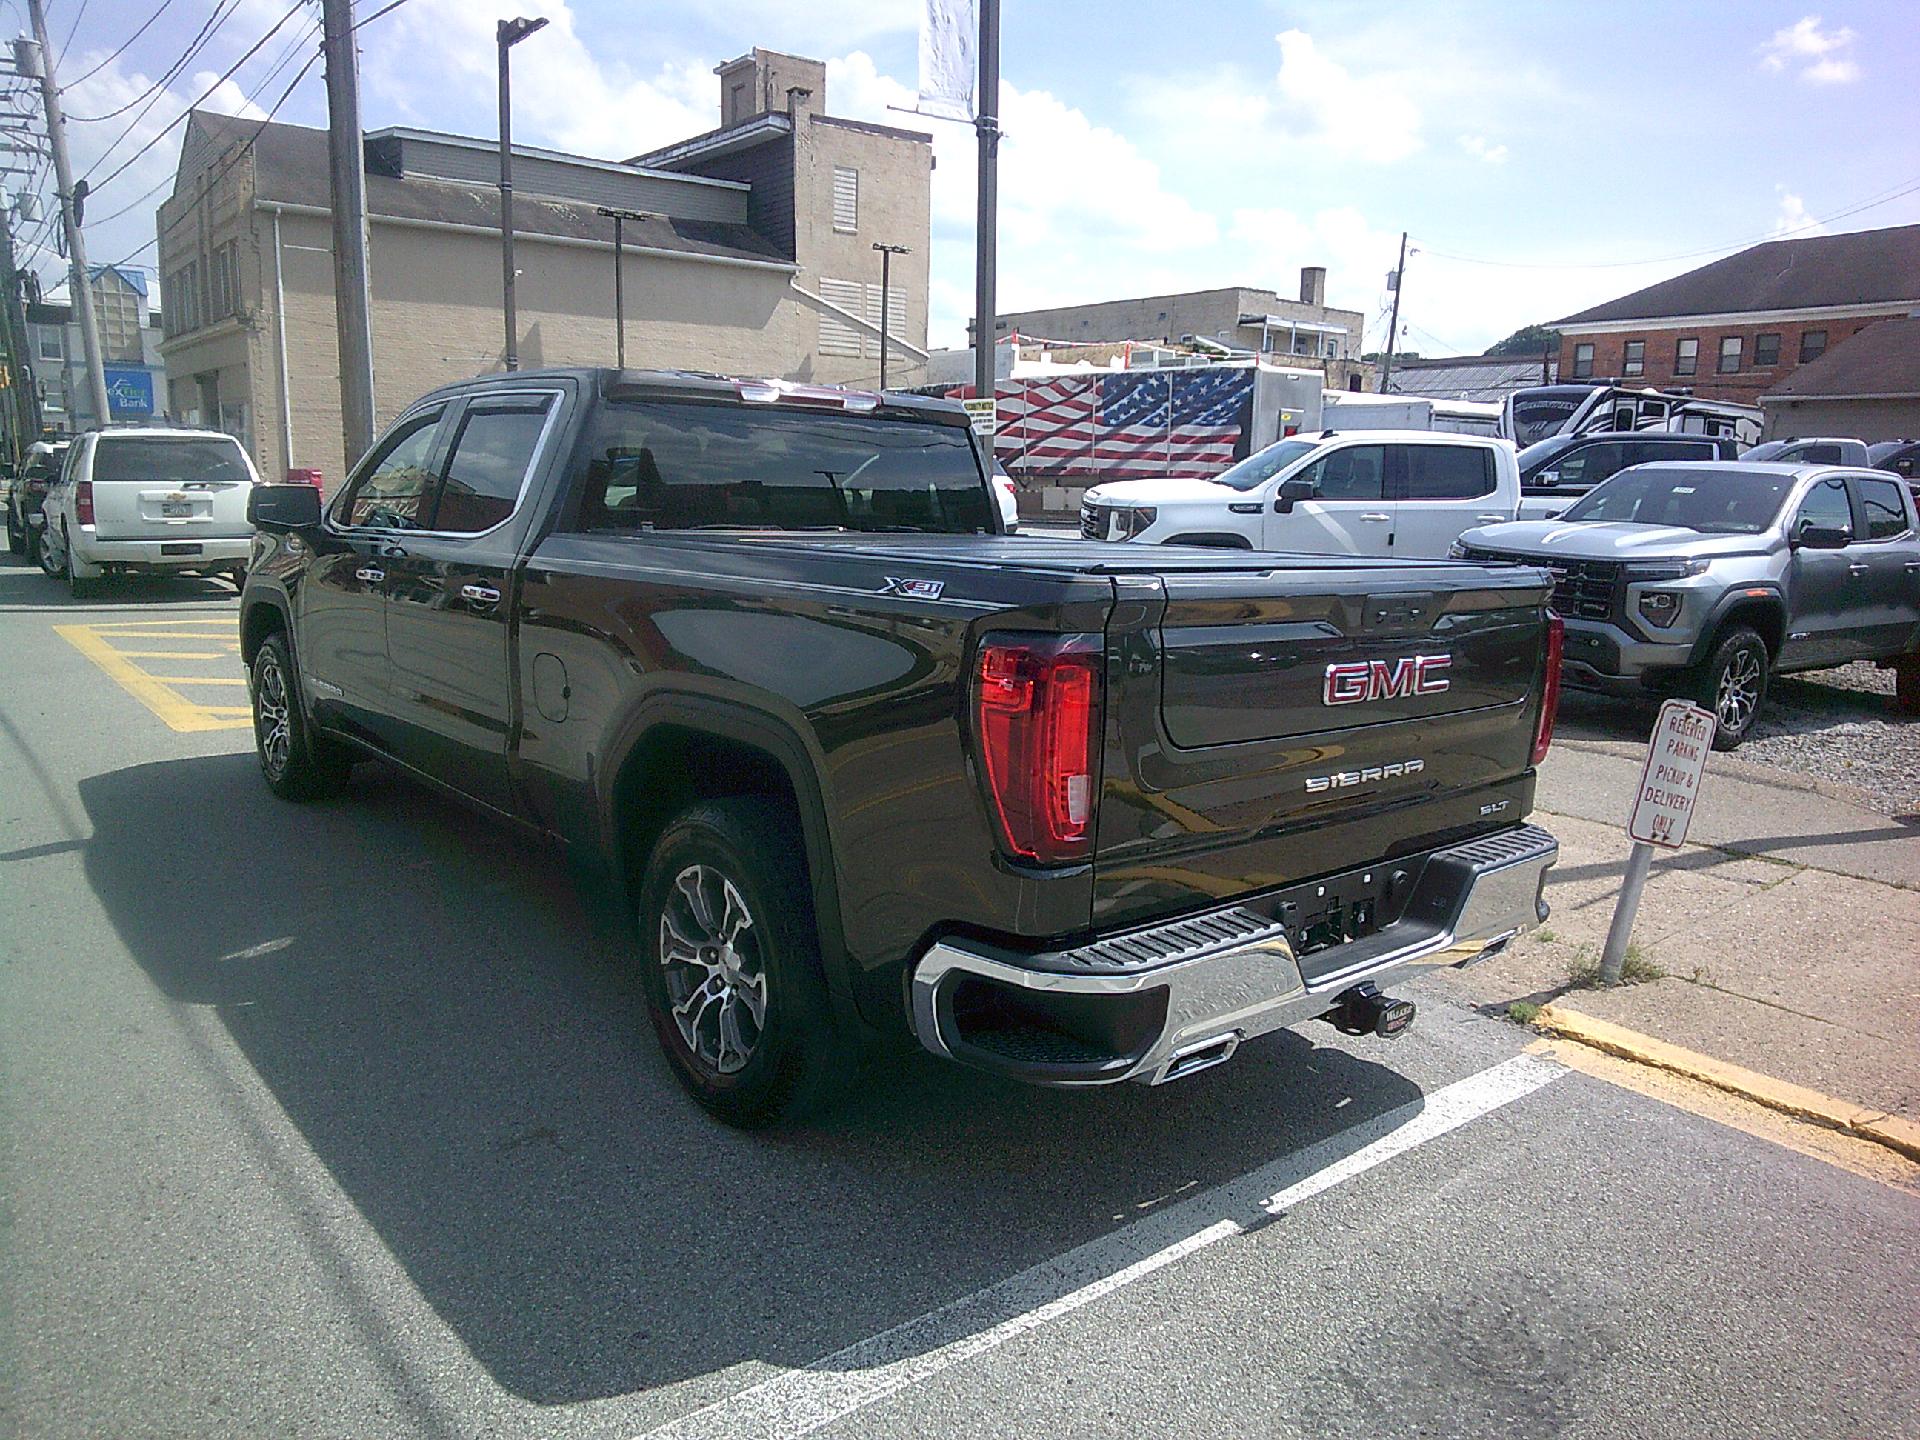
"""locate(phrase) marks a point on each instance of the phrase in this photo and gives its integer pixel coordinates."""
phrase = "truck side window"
(491, 457)
(1826, 505)
(392, 492)
(1881, 508)
(1448, 472)
(1353, 473)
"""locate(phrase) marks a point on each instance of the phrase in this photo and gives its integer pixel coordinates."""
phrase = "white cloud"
(1355, 117)
(1821, 57)
(1793, 219)
(1477, 146)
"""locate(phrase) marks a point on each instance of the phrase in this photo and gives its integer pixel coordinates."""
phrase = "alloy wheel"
(714, 969)
(1739, 691)
(270, 722)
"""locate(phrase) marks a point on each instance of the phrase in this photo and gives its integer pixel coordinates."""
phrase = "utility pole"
(506, 35)
(26, 392)
(1393, 325)
(887, 252)
(346, 164)
(986, 126)
(619, 284)
(38, 62)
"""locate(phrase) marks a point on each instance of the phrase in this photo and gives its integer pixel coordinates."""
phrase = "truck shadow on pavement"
(447, 1015)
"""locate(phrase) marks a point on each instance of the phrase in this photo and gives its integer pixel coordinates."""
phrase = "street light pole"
(507, 34)
(986, 127)
(619, 284)
(887, 252)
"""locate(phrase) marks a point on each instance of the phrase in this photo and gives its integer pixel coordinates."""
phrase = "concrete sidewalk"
(1788, 937)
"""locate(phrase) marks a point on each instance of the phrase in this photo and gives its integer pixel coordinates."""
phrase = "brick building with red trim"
(1736, 329)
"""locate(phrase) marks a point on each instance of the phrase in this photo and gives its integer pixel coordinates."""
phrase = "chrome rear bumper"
(1160, 1002)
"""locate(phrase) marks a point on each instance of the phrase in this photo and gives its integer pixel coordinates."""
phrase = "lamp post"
(507, 34)
(619, 217)
(887, 252)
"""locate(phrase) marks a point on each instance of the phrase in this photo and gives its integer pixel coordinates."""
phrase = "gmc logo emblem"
(1353, 681)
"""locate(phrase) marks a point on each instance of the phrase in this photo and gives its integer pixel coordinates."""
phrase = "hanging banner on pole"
(948, 30)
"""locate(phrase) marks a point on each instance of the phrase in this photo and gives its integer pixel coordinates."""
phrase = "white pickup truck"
(1404, 493)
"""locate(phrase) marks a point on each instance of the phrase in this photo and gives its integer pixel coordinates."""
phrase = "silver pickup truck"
(1709, 578)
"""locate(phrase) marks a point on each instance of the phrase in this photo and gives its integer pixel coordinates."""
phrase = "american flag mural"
(1126, 424)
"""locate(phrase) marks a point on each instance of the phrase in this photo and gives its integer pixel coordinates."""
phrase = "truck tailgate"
(1265, 727)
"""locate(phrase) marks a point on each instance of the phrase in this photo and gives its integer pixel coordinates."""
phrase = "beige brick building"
(756, 259)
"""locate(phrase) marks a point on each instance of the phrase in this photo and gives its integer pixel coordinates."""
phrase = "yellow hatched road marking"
(154, 691)
(199, 679)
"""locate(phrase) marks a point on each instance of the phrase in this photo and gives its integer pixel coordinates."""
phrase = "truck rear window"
(157, 459)
(669, 465)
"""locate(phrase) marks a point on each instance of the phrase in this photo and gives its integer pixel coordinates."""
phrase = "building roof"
(1883, 359)
(1466, 377)
(1859, 268)
(290, 162)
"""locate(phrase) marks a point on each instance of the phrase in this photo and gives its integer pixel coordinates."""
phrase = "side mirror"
(282, 508)
(1822, 537)
(1297, 488)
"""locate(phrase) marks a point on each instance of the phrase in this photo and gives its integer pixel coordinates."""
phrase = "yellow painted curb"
(1868, 1124)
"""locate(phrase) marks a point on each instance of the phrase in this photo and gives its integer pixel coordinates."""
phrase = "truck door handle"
(1490, 519)
(482, 596)
(1856, 567)
(1375, 515)
(369, 574)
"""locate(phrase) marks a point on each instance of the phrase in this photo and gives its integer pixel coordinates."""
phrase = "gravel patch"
(1841, 726)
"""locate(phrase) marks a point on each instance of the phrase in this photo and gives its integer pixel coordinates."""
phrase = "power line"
(74, 29)
(266, 80)
(241, 153)
(165, 5)
(194, 47)
(1911, 185)
(252, 50)
(386, 9)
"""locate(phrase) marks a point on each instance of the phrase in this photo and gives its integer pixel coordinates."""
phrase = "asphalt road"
(344, 1120)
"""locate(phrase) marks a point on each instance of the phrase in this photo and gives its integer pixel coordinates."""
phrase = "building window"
(1813, 344)
(1333, 349)
(1635, 362)
(1686, 357)
(1729, 354)
(837, 335)
(1766, 350)
(1583, 360)
(846, 199)
(50, 346)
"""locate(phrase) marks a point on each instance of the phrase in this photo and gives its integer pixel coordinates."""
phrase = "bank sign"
(129, 392)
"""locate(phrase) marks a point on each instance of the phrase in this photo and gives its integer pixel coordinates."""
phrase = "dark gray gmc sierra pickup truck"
(865, 766)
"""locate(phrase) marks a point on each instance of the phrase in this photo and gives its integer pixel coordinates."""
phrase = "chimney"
(1313, 285)
(799, 101)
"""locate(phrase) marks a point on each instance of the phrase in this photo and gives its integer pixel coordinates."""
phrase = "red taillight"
(1550, 692)
(1036, 710)
(302, 476)
(83, 501)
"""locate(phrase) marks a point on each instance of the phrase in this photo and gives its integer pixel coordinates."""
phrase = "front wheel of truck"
(1733, 684)
(731, 964)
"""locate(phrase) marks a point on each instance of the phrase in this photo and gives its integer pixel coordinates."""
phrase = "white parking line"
(800, 1402)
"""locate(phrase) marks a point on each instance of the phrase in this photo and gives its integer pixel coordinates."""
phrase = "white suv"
(1409, 493)
(146, 502)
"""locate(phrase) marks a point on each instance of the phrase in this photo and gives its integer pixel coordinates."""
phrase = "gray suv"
(1707, 579)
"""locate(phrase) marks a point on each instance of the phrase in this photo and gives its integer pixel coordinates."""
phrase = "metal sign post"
(1662, 809)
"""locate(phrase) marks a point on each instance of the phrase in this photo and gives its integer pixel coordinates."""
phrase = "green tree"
(1527, 340)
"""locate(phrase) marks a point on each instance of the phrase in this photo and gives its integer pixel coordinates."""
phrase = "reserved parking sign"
(1670, 781)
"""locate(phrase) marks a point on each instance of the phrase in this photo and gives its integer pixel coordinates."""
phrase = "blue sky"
(1544, 156)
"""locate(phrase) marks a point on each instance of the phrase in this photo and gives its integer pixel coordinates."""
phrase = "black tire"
(794, 1057)
(16, 532)
(76, 587)
(238, 577)
(1906, 684)
(296, 764)
(1732, 683)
